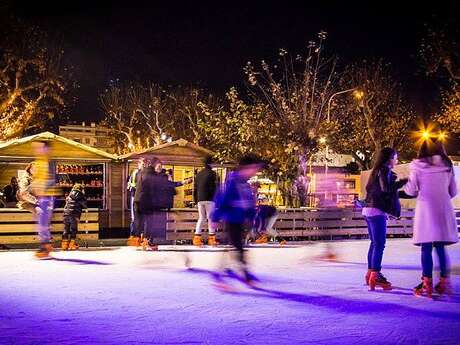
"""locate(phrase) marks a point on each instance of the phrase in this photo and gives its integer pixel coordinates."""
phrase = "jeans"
(45, 213)
(70, 227)
(427, 259)
(154, 226)
(377, 227)
(205, 209)
(132, 227)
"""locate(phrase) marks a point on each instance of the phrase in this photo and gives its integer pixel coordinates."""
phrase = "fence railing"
(302, 223)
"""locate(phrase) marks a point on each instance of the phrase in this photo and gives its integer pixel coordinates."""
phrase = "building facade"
(90, 134)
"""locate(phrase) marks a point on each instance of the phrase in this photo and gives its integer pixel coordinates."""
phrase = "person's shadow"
(332, 302)
(81, 262)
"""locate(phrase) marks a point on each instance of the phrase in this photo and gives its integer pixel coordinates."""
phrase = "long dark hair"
(383, 158)
(429, 149)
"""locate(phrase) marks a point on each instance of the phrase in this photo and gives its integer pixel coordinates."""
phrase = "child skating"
(74, 206)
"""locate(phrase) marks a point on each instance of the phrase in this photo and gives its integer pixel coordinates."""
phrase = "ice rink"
(124, 296)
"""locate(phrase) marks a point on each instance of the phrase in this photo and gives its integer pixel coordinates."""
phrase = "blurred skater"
(235, 206)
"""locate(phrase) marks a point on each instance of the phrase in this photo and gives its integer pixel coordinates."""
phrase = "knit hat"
(78, 186)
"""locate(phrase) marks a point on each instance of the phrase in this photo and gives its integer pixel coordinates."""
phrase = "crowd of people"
(234, 204)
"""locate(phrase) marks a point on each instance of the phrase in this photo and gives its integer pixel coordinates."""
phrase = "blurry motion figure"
(154, 196)
(264, 220)
(134, 233)
(74, 206)
(10, 192)
(432, 180)
(204, 190)
(235, 206)
(43, 187)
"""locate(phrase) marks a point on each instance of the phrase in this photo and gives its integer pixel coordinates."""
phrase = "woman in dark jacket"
(382, 200)
(154, 196)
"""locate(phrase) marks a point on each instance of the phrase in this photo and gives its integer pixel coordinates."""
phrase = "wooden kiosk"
(185, 159)
(99, 171)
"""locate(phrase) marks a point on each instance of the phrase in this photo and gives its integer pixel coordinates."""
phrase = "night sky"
(196, 42)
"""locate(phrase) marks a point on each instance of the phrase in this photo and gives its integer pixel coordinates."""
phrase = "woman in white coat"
(432, 181)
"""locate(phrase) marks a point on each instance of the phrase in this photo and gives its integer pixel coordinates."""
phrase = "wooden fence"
(18, 226)
(301, 223)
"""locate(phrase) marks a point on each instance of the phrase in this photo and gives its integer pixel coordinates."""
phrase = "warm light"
(322, 140)
(426, 135)
(358, 94)
(442, 136)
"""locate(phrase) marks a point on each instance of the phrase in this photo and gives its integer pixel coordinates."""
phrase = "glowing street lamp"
(322, 140)
(426, 135)
(442, 136)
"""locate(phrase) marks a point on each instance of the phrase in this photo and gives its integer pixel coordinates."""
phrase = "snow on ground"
(124, 296)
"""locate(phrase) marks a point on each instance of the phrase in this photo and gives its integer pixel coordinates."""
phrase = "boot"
(444, 286)
(197, 240)
(262, 239)
(65, 244)
(133, 241)
(212, 241)
(367, 276)
(426, 286)
(147, 246)
(44, 251)
(377, 279)
(73, 245)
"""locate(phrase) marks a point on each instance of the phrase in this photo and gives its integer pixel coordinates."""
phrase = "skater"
(26, 199)
(235, 206)
(134, 235)
(204, 190)
(74, 206)
(382, 200)
(154, 196)
(43, 187)
(262, 230)
(432, 180)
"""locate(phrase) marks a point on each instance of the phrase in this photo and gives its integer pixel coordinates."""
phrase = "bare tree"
(377, 114)
(33, 82)
(294, 91)
(137, 114)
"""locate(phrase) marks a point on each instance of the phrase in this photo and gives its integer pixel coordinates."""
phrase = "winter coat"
(382, 192)
(205, 185)
(10, 192)
(154, 192)
(235, 203)
(26, 199)
(434, 185)
(75, 204)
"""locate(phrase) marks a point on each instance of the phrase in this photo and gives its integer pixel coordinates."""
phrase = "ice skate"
(65, 244)
(44, 252)
(150, 247)
(376, 279)
(444, 287)
(133, 241)
(73, 245)
(262, 239)
(212, 241)
(367, 276)
(197, 241)
(425, 288)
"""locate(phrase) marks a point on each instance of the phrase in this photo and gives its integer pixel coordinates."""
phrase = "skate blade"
(223, 287)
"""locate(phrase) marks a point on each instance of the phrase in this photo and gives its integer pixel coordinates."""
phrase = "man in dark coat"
(154, 196)
(204, 190)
